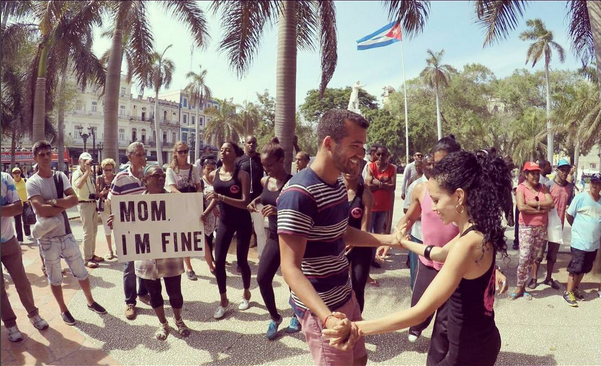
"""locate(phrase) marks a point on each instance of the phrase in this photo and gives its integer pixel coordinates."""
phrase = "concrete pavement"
(544, 331)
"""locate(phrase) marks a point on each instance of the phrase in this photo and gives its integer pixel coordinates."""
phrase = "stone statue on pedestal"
(353, 103)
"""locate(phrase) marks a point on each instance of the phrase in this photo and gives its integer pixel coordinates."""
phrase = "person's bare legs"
(574, 282)
(109, 243)
(246, 294)
(57, 291)
(224, 301)
(87, 291)
(160, 313)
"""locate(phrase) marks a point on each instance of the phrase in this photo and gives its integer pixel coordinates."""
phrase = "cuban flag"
(388, 34)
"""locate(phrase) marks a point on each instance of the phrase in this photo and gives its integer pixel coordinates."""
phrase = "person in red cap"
(534, 202)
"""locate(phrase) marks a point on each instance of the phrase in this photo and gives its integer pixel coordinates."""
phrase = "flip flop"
(373, 282)
(527, 296)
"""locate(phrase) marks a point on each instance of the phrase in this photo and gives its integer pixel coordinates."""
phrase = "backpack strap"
(58, 182)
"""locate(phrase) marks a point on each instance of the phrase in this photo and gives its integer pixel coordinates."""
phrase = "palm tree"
(66, 29)
(131, 21)
(527, 140)
(584, 28)
(437, 75)
(159, 75)
(543, 46)
(224, 124)
(199, 91)
(250, 118)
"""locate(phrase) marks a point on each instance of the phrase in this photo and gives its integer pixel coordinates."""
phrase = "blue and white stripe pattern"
(380, 38)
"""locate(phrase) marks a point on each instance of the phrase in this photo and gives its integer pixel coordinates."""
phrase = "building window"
(121, 134)
(201, 121)
(164, 137)
(79, 105)
(122, 110)
(134, 134)
(94, 106)
(184, 136)
(185, 102)
(193, 120)
(593, 166)
(122, 92)
(185, 119)
(143, 133)
(174, 137)
(164, 115)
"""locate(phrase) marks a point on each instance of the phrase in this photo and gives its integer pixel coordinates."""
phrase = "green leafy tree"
(224, 123)
(437, 76)
(543, 46)
(315, 106)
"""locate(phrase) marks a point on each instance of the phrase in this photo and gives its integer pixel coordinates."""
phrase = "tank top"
(472, 332)
(233, 189)
(270, 198)
(356, 208)
(434, 232)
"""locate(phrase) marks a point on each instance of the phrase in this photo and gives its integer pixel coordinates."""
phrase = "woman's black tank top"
(472, 332)
(233, 189)
(270, 198)
(356, 208)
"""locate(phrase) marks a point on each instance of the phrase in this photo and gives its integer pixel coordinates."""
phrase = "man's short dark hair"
(447, 144)
(332, 124)
(40, 145)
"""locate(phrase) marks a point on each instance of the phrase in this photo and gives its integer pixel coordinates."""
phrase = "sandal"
(532, 284)
(163, 331)
(182, 328)
(525, 295)
(373, 282)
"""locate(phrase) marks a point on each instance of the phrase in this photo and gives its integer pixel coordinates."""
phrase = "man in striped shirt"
(130, 182)
(312, 227)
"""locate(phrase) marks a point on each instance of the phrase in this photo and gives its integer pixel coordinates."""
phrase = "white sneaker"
(220, 312)
(14, 335)
(38, 322)
(413, 337)
(244, 304)
(30, 238)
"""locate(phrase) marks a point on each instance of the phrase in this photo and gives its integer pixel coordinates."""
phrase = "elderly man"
(410, 175)
(83, 185)
(302, 160)
(129, 181)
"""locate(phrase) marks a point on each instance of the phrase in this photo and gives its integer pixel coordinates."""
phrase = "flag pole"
(406, 113)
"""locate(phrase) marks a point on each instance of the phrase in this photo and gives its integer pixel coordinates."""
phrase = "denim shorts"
(53, 249)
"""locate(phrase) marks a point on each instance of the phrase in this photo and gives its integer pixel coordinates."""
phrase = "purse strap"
(58, 182)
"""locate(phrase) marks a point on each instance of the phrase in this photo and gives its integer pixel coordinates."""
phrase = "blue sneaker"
(294, 325)
(272, 331)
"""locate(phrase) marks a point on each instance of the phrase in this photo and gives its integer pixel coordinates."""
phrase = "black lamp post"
(99, 149)
(84, 136)
(91, 130)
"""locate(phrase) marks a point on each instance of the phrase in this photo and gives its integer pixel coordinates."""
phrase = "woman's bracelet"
(428, 251)
(325, 321)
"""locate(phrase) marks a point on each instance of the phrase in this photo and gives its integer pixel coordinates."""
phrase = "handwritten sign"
(152, 226)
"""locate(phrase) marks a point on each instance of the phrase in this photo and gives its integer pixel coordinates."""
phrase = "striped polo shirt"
(126, 183)
(318, 211)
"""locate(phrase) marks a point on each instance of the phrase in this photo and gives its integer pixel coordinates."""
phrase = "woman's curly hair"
(487, 185)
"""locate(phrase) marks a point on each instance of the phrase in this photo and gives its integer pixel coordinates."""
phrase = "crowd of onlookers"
(318, 218)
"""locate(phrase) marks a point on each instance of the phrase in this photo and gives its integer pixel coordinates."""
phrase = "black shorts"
(582, 262)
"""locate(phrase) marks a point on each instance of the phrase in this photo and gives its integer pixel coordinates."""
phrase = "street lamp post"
(84, 136)
(99, 149)
(91, 130)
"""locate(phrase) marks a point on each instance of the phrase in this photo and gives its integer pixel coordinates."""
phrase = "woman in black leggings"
(272, 158)
(360, 201)
(232, 187)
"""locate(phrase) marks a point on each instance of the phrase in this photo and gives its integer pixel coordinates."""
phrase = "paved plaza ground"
(544, 331)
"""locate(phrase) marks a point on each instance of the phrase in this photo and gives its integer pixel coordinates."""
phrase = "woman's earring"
(459, 208)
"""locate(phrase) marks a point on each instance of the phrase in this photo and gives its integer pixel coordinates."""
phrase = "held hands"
(340, 331)
(211, 196)
(252, 207)
(269, 210)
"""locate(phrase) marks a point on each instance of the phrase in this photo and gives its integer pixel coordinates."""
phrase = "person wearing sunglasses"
(20, 224)
(183, 177)
(103, 185)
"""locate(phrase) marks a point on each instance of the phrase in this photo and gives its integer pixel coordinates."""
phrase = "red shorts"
(320, 348)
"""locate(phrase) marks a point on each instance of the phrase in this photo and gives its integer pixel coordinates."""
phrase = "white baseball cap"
(85, 156)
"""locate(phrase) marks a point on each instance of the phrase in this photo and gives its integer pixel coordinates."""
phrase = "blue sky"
(451, 26)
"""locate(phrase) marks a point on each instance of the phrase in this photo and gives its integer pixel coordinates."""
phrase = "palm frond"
(535, 52)
(412, 14)
(306, 30)
(13, 37)
(560, 51)
(328, 42)
(499, 17)
(579, 31)
(17, 9)
(140, 42)
(243, 23)
(188, 12)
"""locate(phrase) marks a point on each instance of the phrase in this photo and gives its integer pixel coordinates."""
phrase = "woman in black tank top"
(272, 158)
(232, 188)
(360, 204)
(470, 192)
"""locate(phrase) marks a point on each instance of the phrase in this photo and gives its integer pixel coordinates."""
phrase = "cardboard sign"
(152, 226)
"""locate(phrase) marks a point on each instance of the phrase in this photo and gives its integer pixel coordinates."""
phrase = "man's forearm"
(305, 291)
(359, 238)
(11, 210)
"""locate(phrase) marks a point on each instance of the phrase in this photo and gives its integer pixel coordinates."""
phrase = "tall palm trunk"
(13, 148)
(549, 122)
(594, 15)
(438, 121)
(39, 99)
(111, 96)
(197, 145)
(157, 126)
(285, 106)
(576, 153)
(61, 120)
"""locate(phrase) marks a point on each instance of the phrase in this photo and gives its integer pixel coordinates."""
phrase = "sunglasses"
(158, 176)
(107, 170)
(17, 172)
(182, 152)
(419, 155)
